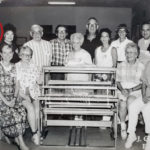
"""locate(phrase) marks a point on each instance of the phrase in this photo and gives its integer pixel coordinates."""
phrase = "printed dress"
(28, 77)
(12, 119)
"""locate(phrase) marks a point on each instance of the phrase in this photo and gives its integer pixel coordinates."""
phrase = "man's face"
(36, 34)
(131, 54)
(146, 31)
(92, 26)
(122, 33)
(61, 33)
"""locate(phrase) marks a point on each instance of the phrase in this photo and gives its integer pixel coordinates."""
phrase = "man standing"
(42, 49)
(91, 39)
(61, 47)
(144, 43)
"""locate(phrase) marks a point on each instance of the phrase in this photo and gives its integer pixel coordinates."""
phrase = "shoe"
(35, 138)
(130, 140)
(147, 146)
(123, 134)
(14, 143)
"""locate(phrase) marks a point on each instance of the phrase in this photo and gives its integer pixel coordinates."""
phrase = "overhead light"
(1, 1)
(61, 3)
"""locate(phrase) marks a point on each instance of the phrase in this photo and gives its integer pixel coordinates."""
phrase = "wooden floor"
(95, 137)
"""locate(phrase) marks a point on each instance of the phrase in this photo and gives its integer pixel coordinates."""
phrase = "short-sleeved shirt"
(28, 77)
(129, 75)
(143, 44)
(120, 46)
(42, 52)
(90, 46)
(60, 51)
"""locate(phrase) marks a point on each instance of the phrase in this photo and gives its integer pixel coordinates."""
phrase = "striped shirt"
(42, 52)
(60, 51)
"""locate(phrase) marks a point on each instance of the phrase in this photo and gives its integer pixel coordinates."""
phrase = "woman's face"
(105, 38)
(7, 53)
(76, 44)
(122, 33)
(8, 36)
(25, 55)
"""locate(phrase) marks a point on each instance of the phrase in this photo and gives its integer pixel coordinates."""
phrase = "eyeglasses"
(26, 55)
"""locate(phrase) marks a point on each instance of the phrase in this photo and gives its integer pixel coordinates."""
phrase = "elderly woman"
(122, 35)
(129, 85)
(78, 58)
(28, 77)
(12, 113)
(9, 39)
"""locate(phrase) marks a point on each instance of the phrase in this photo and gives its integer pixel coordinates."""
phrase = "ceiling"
(97, 3)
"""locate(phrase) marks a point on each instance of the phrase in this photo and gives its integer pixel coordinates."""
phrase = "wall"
(24, 17)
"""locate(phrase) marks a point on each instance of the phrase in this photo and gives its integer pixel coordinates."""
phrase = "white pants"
(134, 109)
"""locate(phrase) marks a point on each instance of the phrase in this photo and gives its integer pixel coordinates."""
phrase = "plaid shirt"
(127, 73)
(60, 51)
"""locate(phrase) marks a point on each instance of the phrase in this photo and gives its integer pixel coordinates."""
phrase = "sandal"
(35, 137)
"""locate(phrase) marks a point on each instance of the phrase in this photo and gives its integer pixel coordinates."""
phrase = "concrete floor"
(95, 137)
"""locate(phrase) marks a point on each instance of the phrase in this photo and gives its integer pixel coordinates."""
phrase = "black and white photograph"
(74, 74)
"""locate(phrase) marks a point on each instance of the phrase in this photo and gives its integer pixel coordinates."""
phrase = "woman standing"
(122, 35)
(12, 113)
(9, 39)
(106, 55)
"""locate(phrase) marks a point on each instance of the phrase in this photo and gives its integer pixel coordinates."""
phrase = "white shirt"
(42, 52)
(104, 58)
(120, 46)
(143, 44)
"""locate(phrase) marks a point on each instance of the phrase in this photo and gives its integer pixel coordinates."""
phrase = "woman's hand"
(125, 92)
(25, 97)
(145, 99)
(11, 103)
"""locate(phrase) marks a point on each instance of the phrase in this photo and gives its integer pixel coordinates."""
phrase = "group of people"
(21, 69)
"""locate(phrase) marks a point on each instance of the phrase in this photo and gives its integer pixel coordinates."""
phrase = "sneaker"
(35, 139)
(147, 146)
(130, 140)
(123, 134)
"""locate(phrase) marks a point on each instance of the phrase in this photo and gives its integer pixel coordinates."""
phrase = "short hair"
(60, 25)
(23, 48)
(145, 23)
(35, 26)
(107, 30)
(92, 18)
(132, 45)
(120, 26)
(78, 36)
(3, 45)
(9, 27)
